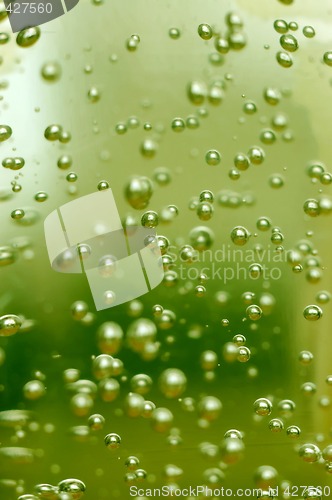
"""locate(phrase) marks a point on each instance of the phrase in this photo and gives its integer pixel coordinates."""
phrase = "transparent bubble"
(5, 132)
(74, 487)
(263, 406)
(312, 313)
(327, 58)
(311, 207)
(94, 94)
(306, 357)
(28, 37)
(276, 425)
(212, 157)
(280, 26)
(79, 309)
(174, 33)
(276, 181)
(243, 354)
(266, 477)
(250, 107)
(293, 431)
(138, 192)
(141, 383)
(148, 148)
(237, 40)
(172, 383)
(178, 125)
(308, 388)
(109, 389)
(208, 360)
(284, 59)
(232, 450)
(272, 96)
(286, 407)
(112, 441)
(309, 31)
(241, 161)
(240, 235)
(326, 178)
(256, 155)
(263, 224)
(205, 211)
(34, 389)
(132, 44)
(150, 219)
(209, 408)
(201, 238)
(196, 92)
(141, 332)
(205, 31)
(51, 71)
(310, 453)
(71, 177)
(162, 419)
(289, 43)
(162, 176)
(134, 405)
(9, 325)
(221, 45)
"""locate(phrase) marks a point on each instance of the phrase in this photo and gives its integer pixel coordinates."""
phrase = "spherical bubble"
(109, 389)
(178, 125)
(172, 383)
(310, 453)
(138, 192)
(239, 339)
(102, 366)
(109, 337)
(141, 332)
(272, 96)
(134, 404)
(255, 270)
(150, 219)
(166, 320)
(174, 33)
(263, 406)
(148, 408)
(250, 108)
(205, 31)
(34, 389)
(46, 491)
(276, 425)
(79, 309)
(286, 407)
(266, 477)
(209, 408)
(5, 132)
(327, 58)
(65, 137)
(132, 44)
(243, 354)
(256, 155)
(71, 375)
(196, 91)
(213, 157)
(9, 324)
(208, 360)
(72, 177)
(240, 235)
(293, 431)
(280, 26)
(237, 40)
(14, 163)
(306, 357)
(284, 59)
(309, 31)
(28, 37)
(51, 71)
(74, 487)
(162, 419)
(141, 383)
(53, 132)
(230, 351)
(81, 404)
(326, 178)
(311, 207)
(312, 313)
(232, 450)
(200, 291)
(289, 43)
(112, 441)
(216, 93)
(254, 312)
(308, 388)
(204, 210)
(192, 122)
(162, 176)
(201, 238)
(241, 161)
(41, 196)
(148, 149)
(263, 223)
(132, 463)
(276, 181)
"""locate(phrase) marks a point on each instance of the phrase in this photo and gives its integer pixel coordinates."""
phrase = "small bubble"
(293, 431)
(102, 185)
(310, 453)
(17, 214)
(280, 26)
(289, 43)
(213, 157)
(41, 196)
(174, 33)
(284, 59)
(263, 406)
(254, 312)
(94, 94)
(312, 313)
(53, 132)
(240, 235)
(112, 441)
(64, 162)
(309, 31)
(28, 37)
(249, 108)
(272, 96)
(51, 71)
(276, 425)
(205, 31)
(178, 125)
(5, 132)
